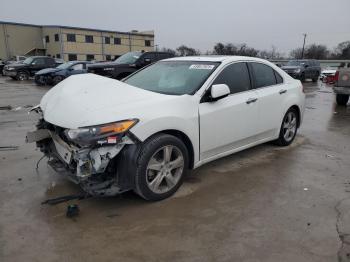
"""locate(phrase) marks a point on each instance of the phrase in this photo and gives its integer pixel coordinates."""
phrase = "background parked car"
(52, 76)
(303, 69)
(342, 86)
(14, 59)
(26, 69)
(127, 64)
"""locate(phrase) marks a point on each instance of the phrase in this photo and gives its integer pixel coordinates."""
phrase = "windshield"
(65, 65)
(128, 58)
(173, 77)
(295, 63)
(28, 61)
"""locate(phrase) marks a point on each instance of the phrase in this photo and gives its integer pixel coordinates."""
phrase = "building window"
(71, 38)
(89, 39)
(117, 41)
(47, 39)
(58, 56)
(57, 38)
(147, 42)
(107, 40)
(90, 57)
(72, 57)
(108, 58)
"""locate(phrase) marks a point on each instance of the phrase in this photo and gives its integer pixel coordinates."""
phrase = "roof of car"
(214, 58)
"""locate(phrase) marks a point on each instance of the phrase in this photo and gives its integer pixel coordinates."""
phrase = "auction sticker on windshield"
(199, 66)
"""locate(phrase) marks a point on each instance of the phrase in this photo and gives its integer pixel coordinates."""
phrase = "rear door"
(271, 94)
(230, 122)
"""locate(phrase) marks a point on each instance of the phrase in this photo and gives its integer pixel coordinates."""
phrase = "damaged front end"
(90, 156)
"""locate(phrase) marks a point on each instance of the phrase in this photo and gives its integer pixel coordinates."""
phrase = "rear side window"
(236, 76)
(263, 75)
(279, 78)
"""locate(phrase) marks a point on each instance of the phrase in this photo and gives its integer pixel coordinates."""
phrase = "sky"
(198, 23)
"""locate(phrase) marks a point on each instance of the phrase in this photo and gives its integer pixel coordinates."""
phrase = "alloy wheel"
(289, 126)
(164, 169)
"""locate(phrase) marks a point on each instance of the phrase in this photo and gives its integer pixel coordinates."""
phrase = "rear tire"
(342, 100)
(289, 128)
(161, 166)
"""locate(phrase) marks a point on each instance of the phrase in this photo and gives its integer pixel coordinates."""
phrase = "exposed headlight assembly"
(297, 70)
(109, 133)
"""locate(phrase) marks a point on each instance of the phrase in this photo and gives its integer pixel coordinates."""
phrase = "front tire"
(161, 166)
(342, 100)
(289, 128)
(57, 79)
(21, 76)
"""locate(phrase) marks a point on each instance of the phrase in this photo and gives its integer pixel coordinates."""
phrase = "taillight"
(336, 77)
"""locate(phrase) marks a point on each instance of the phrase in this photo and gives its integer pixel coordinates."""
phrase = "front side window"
(77, 67)
(235, 76)
(263, 75)
(39, 61)
(173, 77)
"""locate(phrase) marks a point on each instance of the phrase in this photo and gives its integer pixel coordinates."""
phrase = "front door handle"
(251, 100)
(282, 91)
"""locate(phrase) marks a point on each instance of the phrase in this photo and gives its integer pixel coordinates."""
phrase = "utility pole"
(302, 52)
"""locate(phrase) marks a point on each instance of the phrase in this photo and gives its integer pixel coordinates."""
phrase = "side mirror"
(306, 66)
(219, 91)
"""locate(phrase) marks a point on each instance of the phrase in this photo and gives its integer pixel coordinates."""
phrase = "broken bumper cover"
(91, 167)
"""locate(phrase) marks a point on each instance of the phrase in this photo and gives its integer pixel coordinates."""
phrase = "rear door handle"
(283, 91)
(251, 100)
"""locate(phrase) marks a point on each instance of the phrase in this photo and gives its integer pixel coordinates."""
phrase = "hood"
(47, 71)
(104, 64)
(17, 65)
(291, 67)
(89, 99)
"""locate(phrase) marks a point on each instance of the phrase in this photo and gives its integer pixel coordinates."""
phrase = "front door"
(230, 122)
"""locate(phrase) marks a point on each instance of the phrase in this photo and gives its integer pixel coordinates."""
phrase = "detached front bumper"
(9, 73)
(94, 168)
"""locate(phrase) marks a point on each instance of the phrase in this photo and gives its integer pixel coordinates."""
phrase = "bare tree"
(342, 51)
(187, 51)
(168, 50)
(315, 51)
(296, 53)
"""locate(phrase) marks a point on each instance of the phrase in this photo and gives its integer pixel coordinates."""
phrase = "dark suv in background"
(28, 68)
(303, 69)
(127, 64)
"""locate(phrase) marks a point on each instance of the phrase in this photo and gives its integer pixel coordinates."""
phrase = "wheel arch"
(185, 139)
(297, 109)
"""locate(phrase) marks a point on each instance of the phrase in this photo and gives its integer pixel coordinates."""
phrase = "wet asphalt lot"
(262, 204)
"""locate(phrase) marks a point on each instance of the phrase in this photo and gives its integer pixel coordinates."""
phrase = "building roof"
(79, 28)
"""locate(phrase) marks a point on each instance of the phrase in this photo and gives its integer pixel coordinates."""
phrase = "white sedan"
(144, 133)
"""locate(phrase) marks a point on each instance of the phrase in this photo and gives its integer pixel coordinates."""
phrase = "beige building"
(70, 43)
